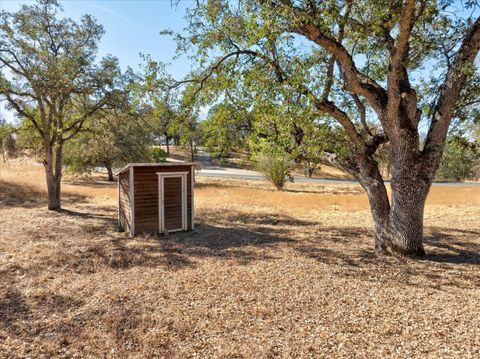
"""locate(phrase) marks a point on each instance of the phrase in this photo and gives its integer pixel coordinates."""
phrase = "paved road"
(210, 170)
(225, 172)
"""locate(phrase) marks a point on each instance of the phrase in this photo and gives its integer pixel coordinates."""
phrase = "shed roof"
(161, 164)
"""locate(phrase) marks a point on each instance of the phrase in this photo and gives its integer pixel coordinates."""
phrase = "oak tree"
(359, 62)
(49, 76)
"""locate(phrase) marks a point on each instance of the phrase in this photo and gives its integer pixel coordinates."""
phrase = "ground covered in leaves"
(264, 275)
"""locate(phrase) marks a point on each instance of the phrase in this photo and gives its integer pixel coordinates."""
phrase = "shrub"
(158, 155)
(275, 165)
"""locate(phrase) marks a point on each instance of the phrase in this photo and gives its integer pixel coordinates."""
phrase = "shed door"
(172, 211)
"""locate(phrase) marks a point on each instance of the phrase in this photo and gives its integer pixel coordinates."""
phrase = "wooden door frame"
(161, 200)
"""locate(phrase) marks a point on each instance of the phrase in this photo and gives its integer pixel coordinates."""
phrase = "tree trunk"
(399, 226)
(108, 166)
(192, 150)
(398, 229)
(167, 140)
(2, 148)
(53, 172)
(309, 168)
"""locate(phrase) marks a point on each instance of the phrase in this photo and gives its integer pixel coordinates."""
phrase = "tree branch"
(450, 93)
(397, 81)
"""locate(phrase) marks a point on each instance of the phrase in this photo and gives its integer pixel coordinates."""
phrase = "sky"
(131, 27)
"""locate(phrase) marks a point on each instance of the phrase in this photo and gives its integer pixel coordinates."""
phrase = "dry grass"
(265, 274)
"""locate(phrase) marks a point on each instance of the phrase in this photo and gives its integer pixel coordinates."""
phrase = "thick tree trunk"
(399, 225)
(108, 166)
(398, 229)
(53, 172)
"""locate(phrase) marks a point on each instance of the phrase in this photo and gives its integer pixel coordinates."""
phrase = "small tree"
(49, 77)
(111, 140)
(275, 165)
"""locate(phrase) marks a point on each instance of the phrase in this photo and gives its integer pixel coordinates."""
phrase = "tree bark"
(53, 172)
(108, 166)
(399, 225)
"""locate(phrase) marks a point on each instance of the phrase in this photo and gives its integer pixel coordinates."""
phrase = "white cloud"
(118, 16)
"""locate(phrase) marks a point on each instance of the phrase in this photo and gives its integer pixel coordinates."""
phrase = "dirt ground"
(265, 274)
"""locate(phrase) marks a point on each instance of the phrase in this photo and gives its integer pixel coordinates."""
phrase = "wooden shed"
(156, 197)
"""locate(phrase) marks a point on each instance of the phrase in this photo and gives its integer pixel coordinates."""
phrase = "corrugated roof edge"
(126, 167)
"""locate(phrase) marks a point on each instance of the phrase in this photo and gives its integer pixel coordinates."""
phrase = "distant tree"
(109, 139)
(153, 90)
(185, 125)
(460, 160)
(225, 129)
(29, 140)
(298, 129)
(351, 60)
(7, 141)
(49, 77)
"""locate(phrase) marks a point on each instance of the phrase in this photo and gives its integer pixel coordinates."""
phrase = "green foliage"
(460, 160)
(255, 51)
(51, 60)
(275, 164)
(158, 155)
(110, 140)
(49, 75)
(225, 129)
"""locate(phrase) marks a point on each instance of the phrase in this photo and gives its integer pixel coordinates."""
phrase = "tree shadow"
(92, 182)
(24, 196)
(13, 307)
(244, 238)
(178, 250)
(107, 218)
(14, 195)
(453, 249)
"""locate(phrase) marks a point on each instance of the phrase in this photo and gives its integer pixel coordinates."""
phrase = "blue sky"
(131, 27)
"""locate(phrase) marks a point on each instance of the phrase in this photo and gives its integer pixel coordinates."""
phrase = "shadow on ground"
(243, 238)
(453, 246)
(16, 195)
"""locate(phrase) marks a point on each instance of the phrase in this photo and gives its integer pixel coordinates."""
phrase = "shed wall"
(146, 196)
(124, 212)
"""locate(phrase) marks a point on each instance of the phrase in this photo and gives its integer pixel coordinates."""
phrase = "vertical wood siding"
(124, 213)
(146, 196)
